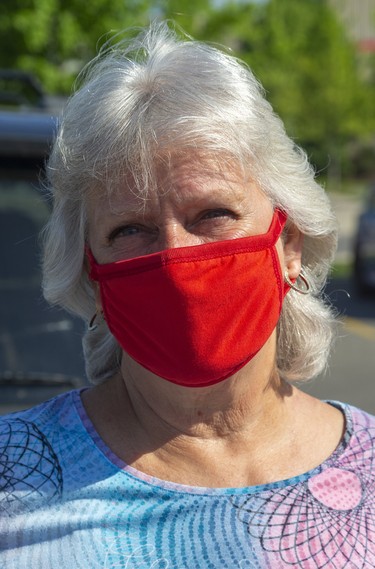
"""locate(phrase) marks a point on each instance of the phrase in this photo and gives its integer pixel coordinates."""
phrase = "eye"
(218, 213)
(124, 231)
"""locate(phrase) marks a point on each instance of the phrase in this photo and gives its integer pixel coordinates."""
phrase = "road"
(351, 373)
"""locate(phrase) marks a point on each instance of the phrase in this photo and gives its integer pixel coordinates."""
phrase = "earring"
(93, 324)
(301, 289)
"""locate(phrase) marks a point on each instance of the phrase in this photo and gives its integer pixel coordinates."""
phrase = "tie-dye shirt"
(67, 502)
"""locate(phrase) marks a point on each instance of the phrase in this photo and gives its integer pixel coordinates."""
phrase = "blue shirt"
(67, 502)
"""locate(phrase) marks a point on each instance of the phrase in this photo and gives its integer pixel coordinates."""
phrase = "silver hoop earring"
(93, 323)
(295, 286)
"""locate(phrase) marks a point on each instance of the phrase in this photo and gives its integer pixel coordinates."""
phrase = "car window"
(36, 341)
(22, 216)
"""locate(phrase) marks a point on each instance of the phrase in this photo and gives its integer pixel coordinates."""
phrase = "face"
(197, 200)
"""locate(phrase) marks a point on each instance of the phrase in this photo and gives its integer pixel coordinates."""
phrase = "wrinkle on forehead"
(170, 172)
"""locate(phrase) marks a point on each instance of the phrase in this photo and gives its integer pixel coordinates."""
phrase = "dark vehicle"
(40, 346)
(364, 253)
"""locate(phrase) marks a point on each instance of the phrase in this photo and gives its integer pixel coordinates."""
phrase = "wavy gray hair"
(158, 91)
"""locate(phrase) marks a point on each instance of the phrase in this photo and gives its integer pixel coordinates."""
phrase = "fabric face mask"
(195, 315)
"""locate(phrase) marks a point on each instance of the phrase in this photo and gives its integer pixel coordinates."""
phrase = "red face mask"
(195, 315)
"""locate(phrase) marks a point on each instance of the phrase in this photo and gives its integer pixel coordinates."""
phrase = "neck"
(249, 429)
(220, 411)
(187, 434)
(165, 418)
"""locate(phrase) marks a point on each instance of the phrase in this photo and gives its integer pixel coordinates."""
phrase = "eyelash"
(221, 211)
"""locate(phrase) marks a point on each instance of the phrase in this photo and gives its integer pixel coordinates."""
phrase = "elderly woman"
(189, 233)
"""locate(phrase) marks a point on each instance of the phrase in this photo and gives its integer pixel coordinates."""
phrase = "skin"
(252, 428)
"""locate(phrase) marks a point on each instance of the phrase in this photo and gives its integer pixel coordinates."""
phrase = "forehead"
(179, 176)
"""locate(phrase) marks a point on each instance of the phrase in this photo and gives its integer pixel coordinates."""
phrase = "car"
(40, 346)
(364, 250)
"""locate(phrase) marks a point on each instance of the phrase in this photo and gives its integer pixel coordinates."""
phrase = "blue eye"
(124, 231)
(129, 230)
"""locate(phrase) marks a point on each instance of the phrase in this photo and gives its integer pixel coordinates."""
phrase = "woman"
(189, 232)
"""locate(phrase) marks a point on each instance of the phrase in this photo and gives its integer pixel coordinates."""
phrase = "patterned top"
(67, 502)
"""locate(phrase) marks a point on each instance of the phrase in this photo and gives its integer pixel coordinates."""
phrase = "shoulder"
(44, 417)
(355, 419)
(30, 464)
(359, 442)
(359, 420)
(26, 432)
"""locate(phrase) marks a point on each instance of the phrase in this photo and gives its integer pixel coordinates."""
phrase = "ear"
(293, 242)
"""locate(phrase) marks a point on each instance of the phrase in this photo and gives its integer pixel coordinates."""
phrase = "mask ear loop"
(305, 289)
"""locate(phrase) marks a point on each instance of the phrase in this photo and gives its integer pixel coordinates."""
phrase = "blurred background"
(316, 61)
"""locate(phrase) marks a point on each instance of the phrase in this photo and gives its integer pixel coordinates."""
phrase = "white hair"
(158, 91)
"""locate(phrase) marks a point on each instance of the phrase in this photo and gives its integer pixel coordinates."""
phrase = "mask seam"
(277, 271)
(130, 272)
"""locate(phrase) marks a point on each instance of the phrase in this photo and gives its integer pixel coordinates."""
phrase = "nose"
(176, 235)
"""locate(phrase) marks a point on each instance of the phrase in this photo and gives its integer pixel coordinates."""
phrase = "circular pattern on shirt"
(324, 520)
(336, 488)
(29, 468)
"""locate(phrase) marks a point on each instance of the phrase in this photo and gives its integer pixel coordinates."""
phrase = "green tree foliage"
(298, 50)
(309, 68)
(54, 38)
